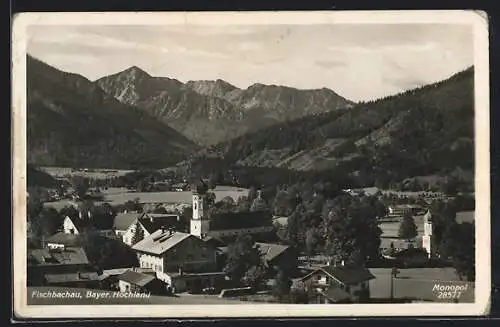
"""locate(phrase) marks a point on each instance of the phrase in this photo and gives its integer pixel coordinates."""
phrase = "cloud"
(330, 63)
(358, 61)
(428, 46)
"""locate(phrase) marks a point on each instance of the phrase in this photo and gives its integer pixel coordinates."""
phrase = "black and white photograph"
(291, 164)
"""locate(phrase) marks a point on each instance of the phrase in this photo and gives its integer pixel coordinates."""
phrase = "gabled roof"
(136, 278)
(344, 274)
(160, 242)
(118, 271)
(153, 222)
(66, 239)
(271, 251)
(124, 220)
(81, 223)
(86, 222)
(71, 277)
(66, 256)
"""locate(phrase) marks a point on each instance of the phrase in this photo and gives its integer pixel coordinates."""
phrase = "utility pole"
(394, 273)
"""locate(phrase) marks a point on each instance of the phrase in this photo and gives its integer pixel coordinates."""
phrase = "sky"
(359, 62)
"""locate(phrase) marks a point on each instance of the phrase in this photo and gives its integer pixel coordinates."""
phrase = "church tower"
(427, 238)
(200, 224)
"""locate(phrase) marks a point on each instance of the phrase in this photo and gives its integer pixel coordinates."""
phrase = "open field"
(59, 172)
(416, 283)
(116, 196)
(183, 299)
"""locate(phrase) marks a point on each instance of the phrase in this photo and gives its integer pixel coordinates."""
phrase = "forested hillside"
(420, 132)
(72, 122)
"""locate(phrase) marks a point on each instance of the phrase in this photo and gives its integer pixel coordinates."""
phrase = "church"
(227, 226)
(190, 261)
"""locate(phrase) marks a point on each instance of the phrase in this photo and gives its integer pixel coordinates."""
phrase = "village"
(201, 242)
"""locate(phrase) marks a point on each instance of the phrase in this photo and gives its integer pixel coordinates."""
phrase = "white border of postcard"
(477, 20)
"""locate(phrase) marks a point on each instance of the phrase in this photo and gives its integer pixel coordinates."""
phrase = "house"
(109, 279)
(84, 224)
(181, 260)
(134, 281)
(275, 257)
(329, 281)
(76, 279)
(55, 261)
(278, 257)
(148, 222)
(226, 225)
(403, 209)
(123, 221)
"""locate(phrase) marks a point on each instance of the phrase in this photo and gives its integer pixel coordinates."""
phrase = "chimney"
(163, 229)
(259, 194)
(180, 271)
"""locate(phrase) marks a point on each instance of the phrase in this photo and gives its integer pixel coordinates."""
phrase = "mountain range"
(72, 122)
(134, 120)
(209, 112)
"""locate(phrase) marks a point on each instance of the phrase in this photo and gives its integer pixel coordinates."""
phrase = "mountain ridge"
(211, 111)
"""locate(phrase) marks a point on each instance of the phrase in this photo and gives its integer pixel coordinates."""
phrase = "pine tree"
(138, 234)
(407, 228)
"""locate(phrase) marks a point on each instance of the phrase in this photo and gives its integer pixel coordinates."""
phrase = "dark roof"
(239, 220)
(336, 294)
(118, 271)
(154, 222)
(271, 251)
(213, 241)
(136, 278)
(71, 277)
(345, 275)
(66, 256)
(82, 223)
(160, 242)
(86, 222)
(66, 239)
(124, 220)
